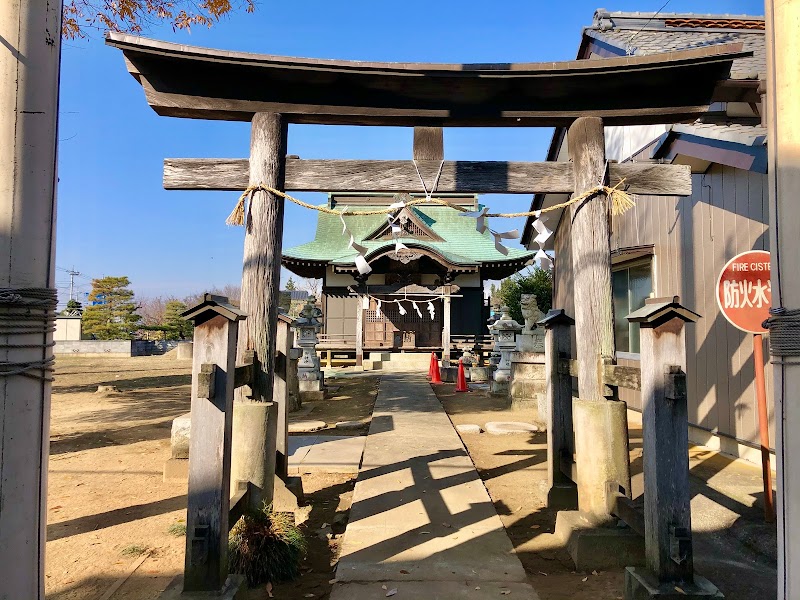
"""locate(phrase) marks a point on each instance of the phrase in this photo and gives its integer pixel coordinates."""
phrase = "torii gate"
(271, 92)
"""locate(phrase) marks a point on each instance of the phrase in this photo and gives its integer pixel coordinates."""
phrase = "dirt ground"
(349, 397)
(733, 547)
(108, 506)
(110, 514)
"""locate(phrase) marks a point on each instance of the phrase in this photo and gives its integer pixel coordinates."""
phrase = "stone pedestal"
(480, 374)
(530, 341)
(601, 457)
(179, 438)
(254, 446)
(528, 384)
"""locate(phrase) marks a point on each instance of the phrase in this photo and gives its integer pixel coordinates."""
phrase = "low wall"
(95, 348)
(113, 347)
(528, 383)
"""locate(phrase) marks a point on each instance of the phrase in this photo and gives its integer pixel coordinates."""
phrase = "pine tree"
(111, 314)
(290, 285)
(177, 326)
(74, 309)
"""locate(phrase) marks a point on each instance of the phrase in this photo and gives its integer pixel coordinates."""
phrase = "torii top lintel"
(203, 83)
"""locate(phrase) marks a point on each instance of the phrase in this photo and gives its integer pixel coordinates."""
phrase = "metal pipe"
(763, 426)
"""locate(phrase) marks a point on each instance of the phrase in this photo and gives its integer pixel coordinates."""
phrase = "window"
(631, 284)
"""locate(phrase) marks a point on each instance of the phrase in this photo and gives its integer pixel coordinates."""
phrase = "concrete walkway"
(421, 520)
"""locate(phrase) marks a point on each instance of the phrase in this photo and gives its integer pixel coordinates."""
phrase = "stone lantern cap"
(210, 307)
(309, 315)
(505, 322)
(660, 310)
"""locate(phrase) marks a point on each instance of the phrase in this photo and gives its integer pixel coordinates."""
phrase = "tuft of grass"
(177, 529)
(134, 550)
(266, 546)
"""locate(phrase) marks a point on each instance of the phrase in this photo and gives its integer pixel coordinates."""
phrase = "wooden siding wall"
(693, 238)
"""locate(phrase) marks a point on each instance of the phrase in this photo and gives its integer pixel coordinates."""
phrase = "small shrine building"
(426, 282)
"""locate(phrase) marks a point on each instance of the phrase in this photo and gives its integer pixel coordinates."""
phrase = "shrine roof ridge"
(462, 244)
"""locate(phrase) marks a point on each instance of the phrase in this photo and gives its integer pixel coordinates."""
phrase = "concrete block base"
(641, 584)
(235, 589)
(288, 494)
(448, 374)
(176, 469)
(499, 388)
(563, 497)
(312, 396)
(594, 545)
(480, 374)
(311, 385)
(184, 351)
(253, 448)
(601, 452)
(526, 403)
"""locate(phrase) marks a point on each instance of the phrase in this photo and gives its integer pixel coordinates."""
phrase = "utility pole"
(30, 31)
(72, 274)
(782, 104)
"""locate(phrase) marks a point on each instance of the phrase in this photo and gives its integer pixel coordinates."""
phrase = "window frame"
(639, 261)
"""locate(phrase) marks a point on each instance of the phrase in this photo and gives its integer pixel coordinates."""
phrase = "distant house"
(292, 301)
(677, 245)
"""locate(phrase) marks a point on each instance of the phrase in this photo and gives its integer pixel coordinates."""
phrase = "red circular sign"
(744, 291)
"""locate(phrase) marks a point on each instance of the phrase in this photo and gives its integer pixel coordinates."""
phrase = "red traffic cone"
(433, 371)
(461, 380)
(431, 365)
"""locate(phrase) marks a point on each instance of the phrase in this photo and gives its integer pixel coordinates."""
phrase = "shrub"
(266, 546)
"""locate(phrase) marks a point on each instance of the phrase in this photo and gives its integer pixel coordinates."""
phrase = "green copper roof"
(462, 244)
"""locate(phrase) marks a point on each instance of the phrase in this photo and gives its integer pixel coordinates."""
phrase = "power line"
(630, 49)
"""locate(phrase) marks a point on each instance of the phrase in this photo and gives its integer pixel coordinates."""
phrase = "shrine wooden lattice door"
(390, 329)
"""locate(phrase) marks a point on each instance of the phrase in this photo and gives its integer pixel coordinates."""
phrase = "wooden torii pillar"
(255, 416)
(600, 420)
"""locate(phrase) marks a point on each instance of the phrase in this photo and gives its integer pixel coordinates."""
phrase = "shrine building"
(425, 288)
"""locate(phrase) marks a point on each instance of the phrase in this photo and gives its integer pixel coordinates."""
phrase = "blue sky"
(114, 218)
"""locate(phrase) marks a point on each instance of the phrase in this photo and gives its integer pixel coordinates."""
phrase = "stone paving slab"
(420, 510)
(325, 453)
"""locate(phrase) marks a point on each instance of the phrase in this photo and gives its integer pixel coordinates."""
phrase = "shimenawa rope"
(36, 308)
(784, 331)
(620, 203)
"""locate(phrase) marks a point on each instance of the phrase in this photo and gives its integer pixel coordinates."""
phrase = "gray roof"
(747, 135)
(631, 32)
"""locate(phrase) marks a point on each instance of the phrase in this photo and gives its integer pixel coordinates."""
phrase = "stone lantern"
(310, 377)
(494, 355)
(504, 331)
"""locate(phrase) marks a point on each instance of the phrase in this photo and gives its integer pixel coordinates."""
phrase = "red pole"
(763, 426)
